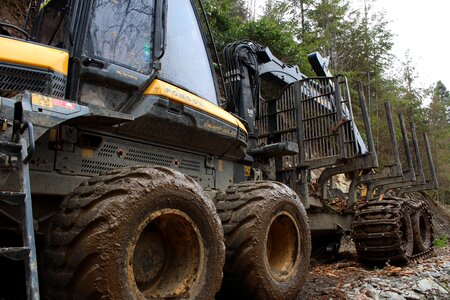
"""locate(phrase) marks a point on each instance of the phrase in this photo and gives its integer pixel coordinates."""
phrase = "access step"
(275, 150)
(12, 198)
(10, 148)
(15, 253)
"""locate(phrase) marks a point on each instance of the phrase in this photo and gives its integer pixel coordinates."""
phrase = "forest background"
(358, 43)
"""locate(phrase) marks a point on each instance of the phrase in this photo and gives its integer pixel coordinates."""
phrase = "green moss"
(441, 242)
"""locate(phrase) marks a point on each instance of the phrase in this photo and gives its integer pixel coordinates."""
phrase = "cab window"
(121, 32)
(185, 62)
(52, 24)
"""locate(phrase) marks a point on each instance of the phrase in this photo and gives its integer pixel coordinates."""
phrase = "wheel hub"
(283, 246)
(167, 258)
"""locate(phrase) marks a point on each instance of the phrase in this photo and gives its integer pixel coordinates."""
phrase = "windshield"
(185, 62)
(52, 23)
(121, 32)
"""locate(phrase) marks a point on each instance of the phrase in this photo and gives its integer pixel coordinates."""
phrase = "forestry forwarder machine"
(144, 187)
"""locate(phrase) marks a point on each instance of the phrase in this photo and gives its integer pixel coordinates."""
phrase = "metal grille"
(191, 165)
(112, 153)
(90, 166)
(59, 85)
(326, 120)
(108, 150)
(151, 158)
(318, 117)
(134, 156)
(148, 157)
(16, 79)
(320, 114)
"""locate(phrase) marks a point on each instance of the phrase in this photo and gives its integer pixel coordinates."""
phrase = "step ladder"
(16, 155)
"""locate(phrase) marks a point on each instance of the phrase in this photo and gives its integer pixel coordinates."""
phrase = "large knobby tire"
(406, 237)
(268, 242)
(382, 232)
(421, 221)
(136, 233)
(422, 229)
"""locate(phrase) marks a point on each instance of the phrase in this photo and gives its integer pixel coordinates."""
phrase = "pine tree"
(439, 133)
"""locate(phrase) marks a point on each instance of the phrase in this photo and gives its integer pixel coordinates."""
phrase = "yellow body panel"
(30, 54)
(161, 88)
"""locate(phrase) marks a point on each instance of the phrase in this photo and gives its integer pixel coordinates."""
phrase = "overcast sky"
(423, 28)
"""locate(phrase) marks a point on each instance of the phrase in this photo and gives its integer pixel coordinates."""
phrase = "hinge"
(157, 65)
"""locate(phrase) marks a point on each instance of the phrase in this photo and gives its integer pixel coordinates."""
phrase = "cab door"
(114, 56)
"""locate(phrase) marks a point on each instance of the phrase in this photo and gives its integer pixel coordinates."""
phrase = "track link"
(389, 230)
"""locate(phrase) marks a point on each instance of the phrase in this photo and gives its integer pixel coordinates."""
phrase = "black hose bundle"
(240, 59)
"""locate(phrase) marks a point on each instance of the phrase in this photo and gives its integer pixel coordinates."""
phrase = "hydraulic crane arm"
(247, 63)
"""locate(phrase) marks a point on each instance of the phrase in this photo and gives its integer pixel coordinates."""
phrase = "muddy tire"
(422, 229)
(382, 232)
(135, 233)
(267, 239)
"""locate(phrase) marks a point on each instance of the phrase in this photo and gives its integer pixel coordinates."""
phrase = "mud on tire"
(422, 229)
(382, 232)
(268, 241)
(134, 234)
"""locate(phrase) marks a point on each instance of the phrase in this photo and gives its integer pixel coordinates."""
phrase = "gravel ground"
(346, 278)
(429, 279)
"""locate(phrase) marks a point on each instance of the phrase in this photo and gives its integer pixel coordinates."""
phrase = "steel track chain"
(416, 206)
(378, 230)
